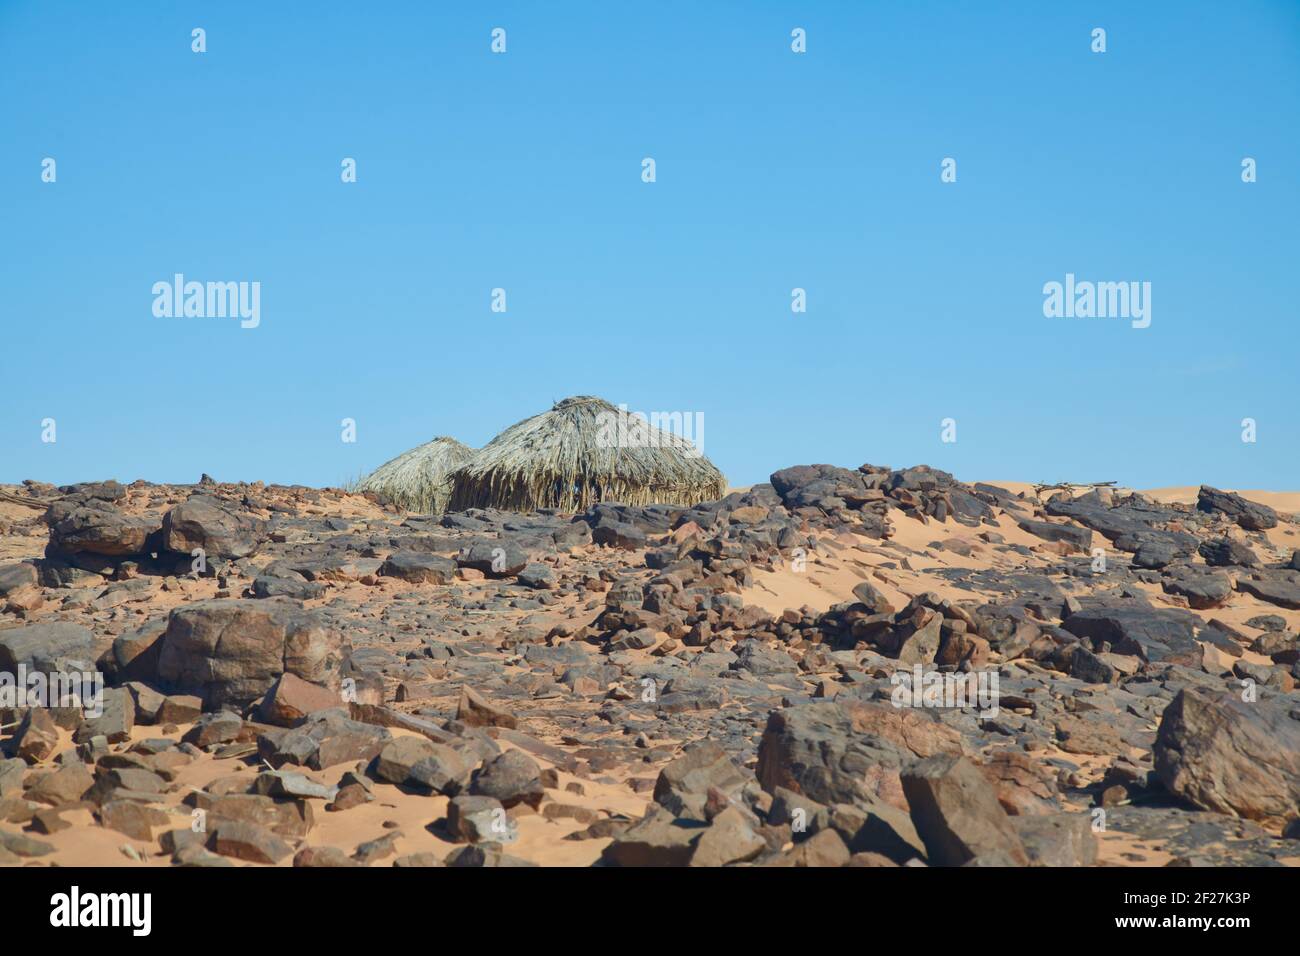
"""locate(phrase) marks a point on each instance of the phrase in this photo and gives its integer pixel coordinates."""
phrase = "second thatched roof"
(418, 480)
(564, 459)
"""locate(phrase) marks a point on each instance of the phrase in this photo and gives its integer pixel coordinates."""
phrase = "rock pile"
(617, 684)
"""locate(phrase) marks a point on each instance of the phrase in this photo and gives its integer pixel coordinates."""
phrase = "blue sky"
(775, 170)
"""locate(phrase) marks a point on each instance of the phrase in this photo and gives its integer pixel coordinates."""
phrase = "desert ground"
(303, 677)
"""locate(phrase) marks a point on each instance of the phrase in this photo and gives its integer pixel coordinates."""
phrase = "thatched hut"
(418, 480)
(583, 451)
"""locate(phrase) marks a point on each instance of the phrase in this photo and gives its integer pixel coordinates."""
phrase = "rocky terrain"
(297, 677)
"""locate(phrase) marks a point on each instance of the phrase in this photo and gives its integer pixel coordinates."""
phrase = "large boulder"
(512, 777)
(501, 558)
(423, 765)
(108, 490)
(204, 522)
(1276, 587)
(42, 647)
(819, 486)
(1132, 516)
(618, 534)
(324, 739)
(1156, 635)
(1220, 753)
(683, 785)
(134, 655)
(657, 839)
(1203, 588)
(232, 652)
(17, 578)
(956, 812)
(1156, 549)
(847, 751)
(1247, 514)
(98, 528)
(1080, 538)
(1226, 552)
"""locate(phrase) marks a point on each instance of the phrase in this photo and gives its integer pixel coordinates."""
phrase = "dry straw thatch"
(563, 459)
(418, 480)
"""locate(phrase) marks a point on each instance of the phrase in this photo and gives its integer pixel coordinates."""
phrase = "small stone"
(247, 841)
(292, 699)
(478, 819)
(729, 839)
(474, 711)
(180, 709)
(322, 856)
(512, 777)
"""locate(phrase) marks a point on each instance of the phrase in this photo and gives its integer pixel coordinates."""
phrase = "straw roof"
(564, 459)
(418, 480)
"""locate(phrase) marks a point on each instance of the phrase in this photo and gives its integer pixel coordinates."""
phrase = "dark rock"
(540, 577)
(512, 777)
(1059, 839)
(247, 841)
(1088, 667)
(422, 765)
(1248, 514)
(1203, 589)
(957, 814)
(417, 567)
(288, 819)
(44, 647)
(1267, 622)
(475, 711)
(1220, 753)
(824, 849)
(1276, 587)
(205, 523)
(730, 838)
(872, 598)
(325, 739)
(496, 559)
(846, 751)
(317, 857)
(291, 699)
(116, 718)
(484, 855)
(97, 528)
(873, 826)
(217, 728)
(134, 656)
(655, 840)
(286, 585)
(67, 784)
(17, 577)
(616, 534)
(683, 785)
(1080, 538)
(232, 652)
(479, 819)
(1226, 553)
(1157, 635)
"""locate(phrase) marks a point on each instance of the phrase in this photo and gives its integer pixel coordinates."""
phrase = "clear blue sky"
(775, 170)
